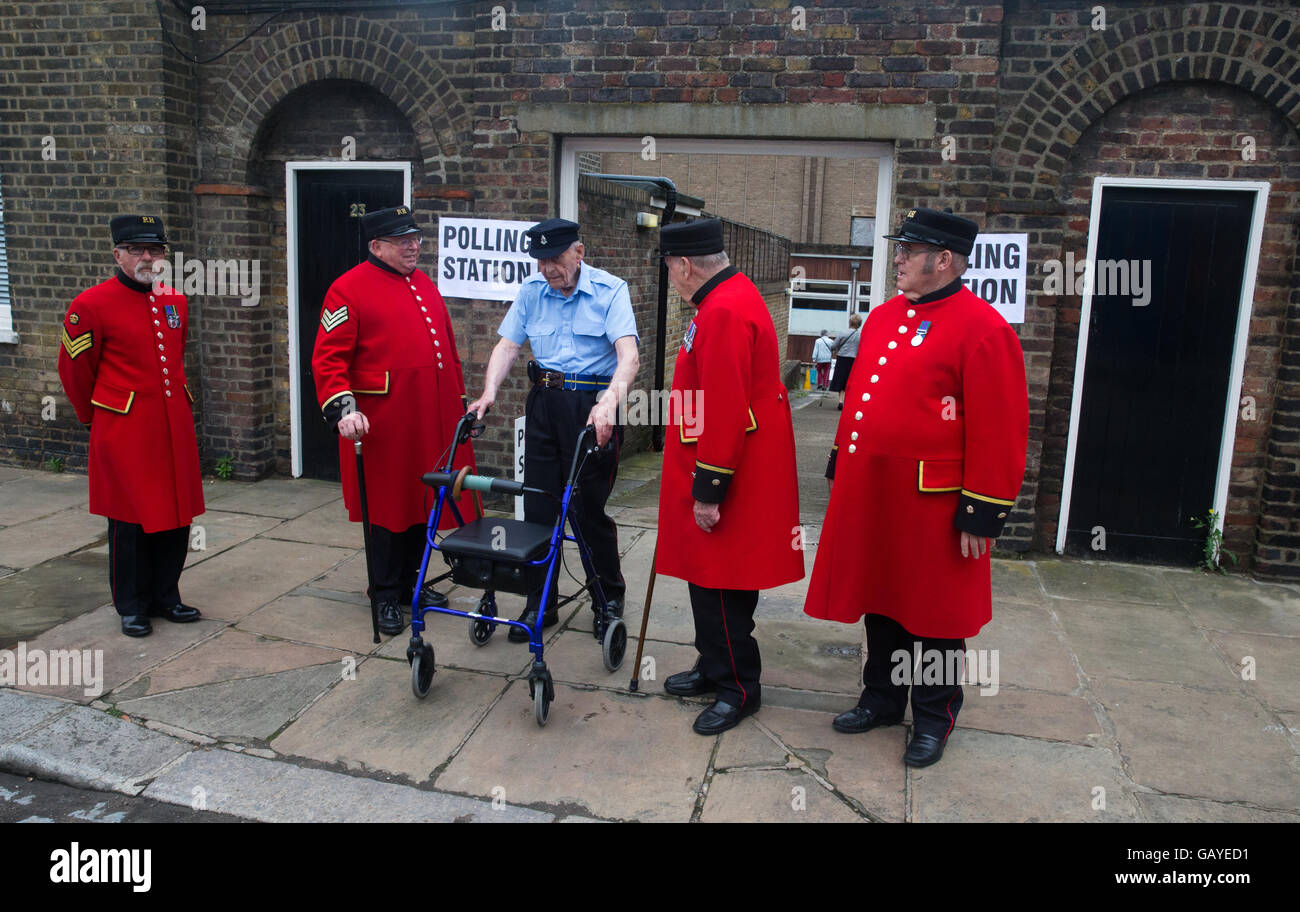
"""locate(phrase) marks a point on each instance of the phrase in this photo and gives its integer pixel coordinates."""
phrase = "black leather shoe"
(923, 750)
(861, 719)
(136, 625)
(391, 621)
(689, 684)
(432, 598)
(177, 614)
(721, 716)
(529, 617)
(615, 607)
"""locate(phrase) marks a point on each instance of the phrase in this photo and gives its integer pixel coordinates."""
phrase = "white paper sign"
(483, 258)
(997, 273)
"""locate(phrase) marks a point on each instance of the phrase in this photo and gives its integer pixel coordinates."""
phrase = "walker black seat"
(494, 554)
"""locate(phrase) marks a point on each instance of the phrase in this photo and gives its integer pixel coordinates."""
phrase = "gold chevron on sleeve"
(333, 319)
(81, 343)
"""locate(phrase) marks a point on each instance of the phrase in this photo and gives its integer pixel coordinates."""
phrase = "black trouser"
(934, 706)
(555, 416)
(395, 562)
(724, 636)
(144, 568)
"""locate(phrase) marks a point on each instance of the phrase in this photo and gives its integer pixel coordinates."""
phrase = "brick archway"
(351, 49)
(1244, 48)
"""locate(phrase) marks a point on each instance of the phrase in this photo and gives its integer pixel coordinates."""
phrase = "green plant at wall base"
(225, 467)
(1212, 552)
(54, 464)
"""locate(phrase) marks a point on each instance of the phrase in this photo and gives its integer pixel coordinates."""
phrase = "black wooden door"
(330, 242)
(1156, 375)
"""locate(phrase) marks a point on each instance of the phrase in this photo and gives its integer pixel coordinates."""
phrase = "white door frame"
(1229, 434)
(291, 170)
(884, 152)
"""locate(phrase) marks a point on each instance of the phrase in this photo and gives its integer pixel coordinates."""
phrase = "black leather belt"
(553, 379)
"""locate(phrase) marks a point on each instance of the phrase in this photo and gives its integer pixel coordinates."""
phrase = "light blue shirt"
(576, 334)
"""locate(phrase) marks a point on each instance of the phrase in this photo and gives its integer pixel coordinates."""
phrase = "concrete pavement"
(1123, 693)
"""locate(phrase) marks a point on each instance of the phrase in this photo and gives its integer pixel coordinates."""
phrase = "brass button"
(1002, 516)
(969, 508)
(717, 481)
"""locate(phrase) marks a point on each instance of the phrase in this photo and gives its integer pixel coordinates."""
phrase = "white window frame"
(1240, 343)
(291, 170)
(571, 146)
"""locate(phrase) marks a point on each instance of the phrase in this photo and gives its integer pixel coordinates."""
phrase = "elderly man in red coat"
(729, 499)
(122, 364)
(928, 458)
(386, 368)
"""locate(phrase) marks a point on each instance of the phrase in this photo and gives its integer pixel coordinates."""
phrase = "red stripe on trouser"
(744, 695)
(112, 568)
(952, 720)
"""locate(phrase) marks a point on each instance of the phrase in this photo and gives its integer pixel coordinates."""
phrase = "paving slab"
(38, 540)
(1101, 581)
(250, 709)
(575, 658)
(867, 768)
(276, 792)
(10, 473)
(811, 655)
(600, 754)
(320, 621)
(327, 525)
(374, 723)
(123, 657)
(349, 576)
(1195, 743)
(1028, 647)
(223, 531)
(1172, 809)
(50, 593)
(228, 656)
(285, 498)
(1237, 604)
(1003, 778)
(30, 496)
(1031, 713)
(1275, 673)
(20, 712)
(91, 749)
(234, 584)
(773, 796)
(1142, 643)
(1015, 580)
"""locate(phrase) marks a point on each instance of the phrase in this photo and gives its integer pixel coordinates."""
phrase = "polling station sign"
(483, 258)
(997, 273)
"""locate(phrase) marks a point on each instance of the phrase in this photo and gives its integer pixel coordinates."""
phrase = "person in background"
(845, 348)
(821, 355)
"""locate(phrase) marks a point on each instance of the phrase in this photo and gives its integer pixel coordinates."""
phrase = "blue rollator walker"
(509, 556)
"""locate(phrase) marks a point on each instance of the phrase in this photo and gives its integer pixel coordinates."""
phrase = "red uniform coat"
(122, 364)
(730, 441)
(931, 443)
(386, 340)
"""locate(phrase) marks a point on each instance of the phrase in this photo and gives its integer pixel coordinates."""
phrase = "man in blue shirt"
(578, 321)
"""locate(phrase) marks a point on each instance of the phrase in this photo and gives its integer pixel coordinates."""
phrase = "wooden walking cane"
(365, 534)
(645, 620)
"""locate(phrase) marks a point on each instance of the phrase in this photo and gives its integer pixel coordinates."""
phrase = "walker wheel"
(614, 646)
(480, 631)
(543, 693)
(422, 669)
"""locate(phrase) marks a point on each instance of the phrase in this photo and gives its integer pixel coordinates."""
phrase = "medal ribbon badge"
(920, 333)
(173, 317)
(690, 337)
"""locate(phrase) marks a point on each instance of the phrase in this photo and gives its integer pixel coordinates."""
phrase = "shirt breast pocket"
(542, 339)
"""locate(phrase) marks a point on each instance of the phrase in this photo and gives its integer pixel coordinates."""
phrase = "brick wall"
(1027, 100)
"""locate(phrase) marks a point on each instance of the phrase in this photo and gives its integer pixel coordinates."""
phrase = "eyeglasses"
(910, 250)
(406, 240)
(154, 250)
